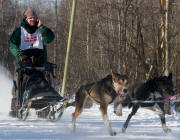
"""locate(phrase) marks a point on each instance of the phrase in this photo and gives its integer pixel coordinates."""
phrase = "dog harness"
(31, 41)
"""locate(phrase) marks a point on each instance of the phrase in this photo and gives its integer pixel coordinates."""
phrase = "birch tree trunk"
(119, 36)
(2, 29)
(87, 33)
(1, 13)
(162, 45)
(56, 32)
(166, 72)
(164, 35)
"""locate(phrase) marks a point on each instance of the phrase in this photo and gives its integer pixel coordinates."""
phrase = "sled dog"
(103, 92)
(150, 94)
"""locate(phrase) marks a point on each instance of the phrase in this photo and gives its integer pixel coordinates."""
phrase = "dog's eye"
(125, 81)
(115, 80)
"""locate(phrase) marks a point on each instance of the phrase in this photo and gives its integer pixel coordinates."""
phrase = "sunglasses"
(32, 18)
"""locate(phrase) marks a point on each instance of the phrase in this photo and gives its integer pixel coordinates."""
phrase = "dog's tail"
(77, 97)
(81, 93)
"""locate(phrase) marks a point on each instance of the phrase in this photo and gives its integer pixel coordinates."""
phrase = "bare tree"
(137, 37)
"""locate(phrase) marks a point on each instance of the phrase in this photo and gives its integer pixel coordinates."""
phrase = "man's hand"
(22, 57)
(39, 23)
(22, 64)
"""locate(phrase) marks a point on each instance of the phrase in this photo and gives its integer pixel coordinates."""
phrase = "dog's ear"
(111, 70)
(130, 83)
(152, 85)
(170, 76)
(112, 73)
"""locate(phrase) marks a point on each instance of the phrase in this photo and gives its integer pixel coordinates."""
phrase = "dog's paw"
(118, 113)
(167, 130)
(123, 130)
(113, 133)
(73, 129)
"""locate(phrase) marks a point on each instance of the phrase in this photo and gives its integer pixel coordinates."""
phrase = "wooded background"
(140, 38)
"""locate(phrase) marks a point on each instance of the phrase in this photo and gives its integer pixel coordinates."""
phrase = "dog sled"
(35, 89)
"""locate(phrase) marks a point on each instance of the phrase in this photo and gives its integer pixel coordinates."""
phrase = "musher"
(30, 35)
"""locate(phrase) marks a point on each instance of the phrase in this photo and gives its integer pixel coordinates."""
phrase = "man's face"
(32, 21)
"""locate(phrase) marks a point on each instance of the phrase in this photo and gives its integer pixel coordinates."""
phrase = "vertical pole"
(68, 46)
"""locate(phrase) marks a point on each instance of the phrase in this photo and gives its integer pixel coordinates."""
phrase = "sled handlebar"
(52, 65)
(46, 67)
(36, 68)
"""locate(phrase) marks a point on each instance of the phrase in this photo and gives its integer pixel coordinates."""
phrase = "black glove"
(48, 67)
(22, 64)
(22, 57)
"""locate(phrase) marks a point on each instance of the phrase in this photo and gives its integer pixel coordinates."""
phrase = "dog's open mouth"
(122, 95)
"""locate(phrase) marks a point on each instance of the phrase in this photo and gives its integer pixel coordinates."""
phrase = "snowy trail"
(145, 125)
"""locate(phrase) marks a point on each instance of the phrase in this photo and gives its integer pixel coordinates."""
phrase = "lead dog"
(102, 92)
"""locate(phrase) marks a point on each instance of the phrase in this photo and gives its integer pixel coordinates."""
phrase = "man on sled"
(28, 41)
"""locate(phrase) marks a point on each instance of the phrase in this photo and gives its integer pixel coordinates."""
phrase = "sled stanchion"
(68, 46)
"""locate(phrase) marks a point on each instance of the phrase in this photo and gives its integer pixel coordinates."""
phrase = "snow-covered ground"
(145, 125)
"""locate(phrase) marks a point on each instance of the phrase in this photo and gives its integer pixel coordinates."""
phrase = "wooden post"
(68, 46)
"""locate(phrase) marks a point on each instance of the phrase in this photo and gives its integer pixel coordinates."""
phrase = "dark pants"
(14, 91)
